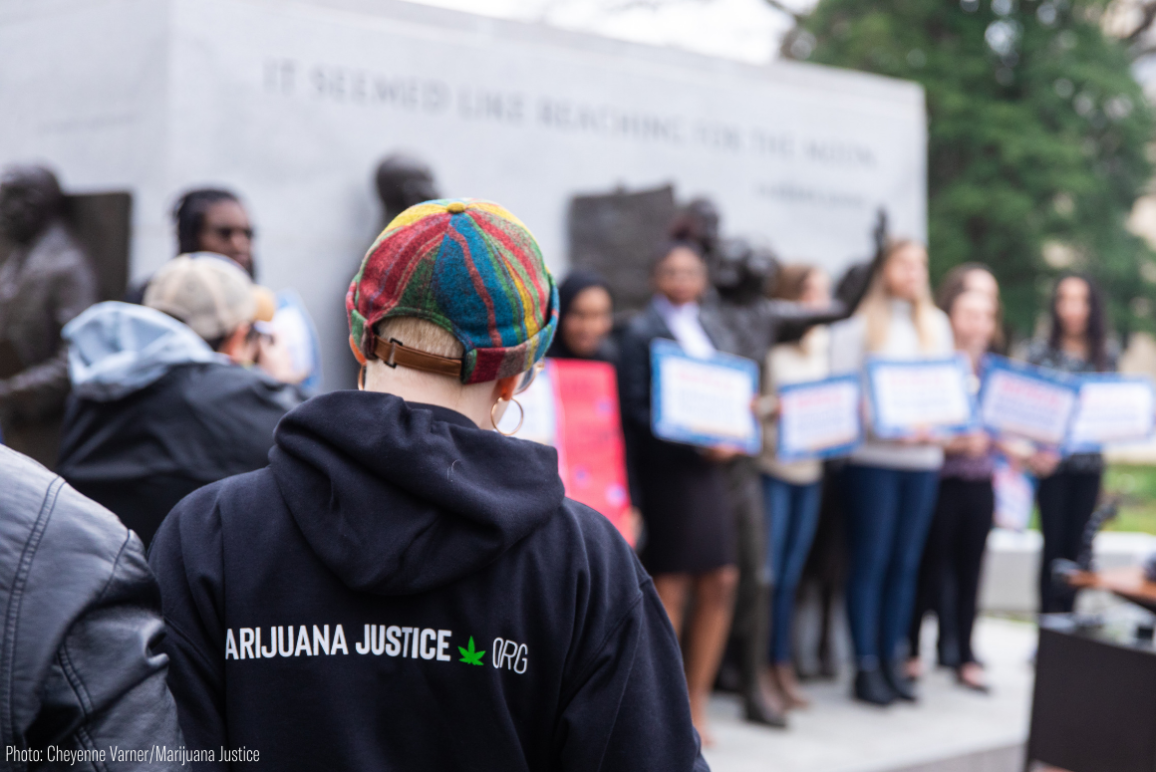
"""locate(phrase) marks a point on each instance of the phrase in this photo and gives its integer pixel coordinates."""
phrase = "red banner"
(588, 436)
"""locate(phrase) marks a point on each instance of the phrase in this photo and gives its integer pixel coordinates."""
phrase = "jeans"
(888, 514)
(792, 514)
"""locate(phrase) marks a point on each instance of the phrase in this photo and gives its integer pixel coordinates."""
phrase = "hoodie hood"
(398, 498)
(115, 349)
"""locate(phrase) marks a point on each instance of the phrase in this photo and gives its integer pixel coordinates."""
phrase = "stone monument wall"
(293, 104)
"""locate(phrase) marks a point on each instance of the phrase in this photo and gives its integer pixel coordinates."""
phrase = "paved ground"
(837, 735)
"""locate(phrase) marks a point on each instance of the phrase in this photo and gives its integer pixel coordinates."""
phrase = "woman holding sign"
(585, 321)
(690, 549)
(953, 557)
(791, 489)
(890, 484)
(1077, 343)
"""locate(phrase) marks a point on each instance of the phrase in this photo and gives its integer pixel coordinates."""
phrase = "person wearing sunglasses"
(403, 587)
(209, 220)
(215, 220)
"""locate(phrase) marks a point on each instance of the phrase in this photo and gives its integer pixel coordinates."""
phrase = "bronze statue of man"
(45, 281)
(402, 181)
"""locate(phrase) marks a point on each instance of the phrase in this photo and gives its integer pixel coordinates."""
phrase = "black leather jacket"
(80, 667)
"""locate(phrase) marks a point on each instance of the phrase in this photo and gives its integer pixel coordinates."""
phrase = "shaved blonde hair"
(419, 334)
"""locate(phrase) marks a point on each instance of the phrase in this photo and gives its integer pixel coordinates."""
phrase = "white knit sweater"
(848, 354)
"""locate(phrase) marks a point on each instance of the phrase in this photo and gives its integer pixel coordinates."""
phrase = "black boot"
(758, 711)
(872, 687)
(897, 679)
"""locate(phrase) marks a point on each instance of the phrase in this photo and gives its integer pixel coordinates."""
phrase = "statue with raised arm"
(45, 281)
(742, 274)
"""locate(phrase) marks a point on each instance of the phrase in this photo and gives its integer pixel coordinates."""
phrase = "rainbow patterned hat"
(468, 266)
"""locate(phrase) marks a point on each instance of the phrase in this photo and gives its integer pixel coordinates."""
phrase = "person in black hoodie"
(402, 589)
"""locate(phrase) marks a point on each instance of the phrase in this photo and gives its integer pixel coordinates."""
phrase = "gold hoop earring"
(521, 418)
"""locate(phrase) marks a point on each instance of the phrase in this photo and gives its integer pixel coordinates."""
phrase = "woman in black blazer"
(681, 490)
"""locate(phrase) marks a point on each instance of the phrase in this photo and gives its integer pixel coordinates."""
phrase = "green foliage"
(1038, 135)
(1136, 487)
(469, 656)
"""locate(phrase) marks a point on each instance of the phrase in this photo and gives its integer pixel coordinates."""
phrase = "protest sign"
(1019, 400)
(1015, 495)
(573, 406)
(910, 396)
(1111, 409)
(704, 401)
(819, 419)
(591, 452)
(295, 329)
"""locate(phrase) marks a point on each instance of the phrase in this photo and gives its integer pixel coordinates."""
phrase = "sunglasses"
(227, 232)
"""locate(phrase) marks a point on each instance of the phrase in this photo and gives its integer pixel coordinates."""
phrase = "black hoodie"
(400, 590)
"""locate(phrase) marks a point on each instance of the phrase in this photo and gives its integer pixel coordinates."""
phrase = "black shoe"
(757, 711)
(901, 685)
(872, 687)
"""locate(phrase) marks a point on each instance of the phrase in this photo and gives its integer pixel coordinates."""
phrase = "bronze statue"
(45, 281)
(402, 181)
(699, 221)
(741, 274)
(614, 234)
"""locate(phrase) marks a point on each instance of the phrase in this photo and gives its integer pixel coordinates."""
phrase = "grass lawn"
(1137, 486)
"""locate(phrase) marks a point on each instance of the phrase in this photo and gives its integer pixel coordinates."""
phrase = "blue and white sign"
(1019, 400)
(1015, 495)
(705, 402)
(294, 327)
(914, 396)
(1111, 409)
(820, 419)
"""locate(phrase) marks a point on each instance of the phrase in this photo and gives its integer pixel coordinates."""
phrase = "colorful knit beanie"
(468, 266)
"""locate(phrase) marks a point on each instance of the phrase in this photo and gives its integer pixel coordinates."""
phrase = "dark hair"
(954, 284)
(1096, 334)
(189, 215)
(576, 282)
(666, 248)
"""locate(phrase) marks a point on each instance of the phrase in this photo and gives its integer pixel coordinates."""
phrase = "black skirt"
(690, 528)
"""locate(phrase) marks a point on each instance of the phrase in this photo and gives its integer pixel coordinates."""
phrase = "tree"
(1037, 139)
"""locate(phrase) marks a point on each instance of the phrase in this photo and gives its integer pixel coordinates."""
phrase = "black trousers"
(949, 572)
(1067, 500)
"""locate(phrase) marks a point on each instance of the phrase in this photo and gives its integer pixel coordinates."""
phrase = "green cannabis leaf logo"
(471, 657)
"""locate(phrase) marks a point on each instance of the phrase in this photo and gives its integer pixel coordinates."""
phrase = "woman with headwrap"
(586, 316)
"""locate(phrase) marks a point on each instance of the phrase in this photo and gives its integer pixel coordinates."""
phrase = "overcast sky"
(747, 30)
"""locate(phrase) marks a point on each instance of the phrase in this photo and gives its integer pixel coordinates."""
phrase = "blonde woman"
(890, 485)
